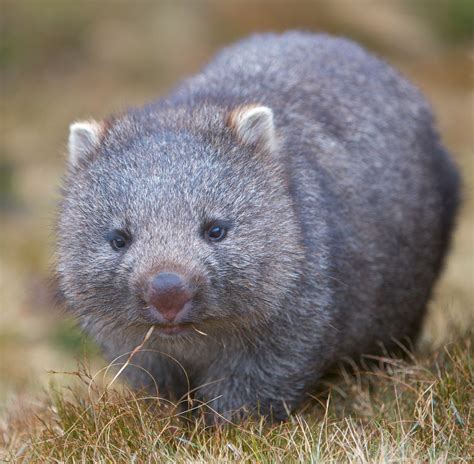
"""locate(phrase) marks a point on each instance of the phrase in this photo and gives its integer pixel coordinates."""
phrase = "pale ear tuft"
(84, 139)
(253, 124)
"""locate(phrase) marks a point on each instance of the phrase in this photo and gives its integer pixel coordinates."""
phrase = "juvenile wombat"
(288, 206)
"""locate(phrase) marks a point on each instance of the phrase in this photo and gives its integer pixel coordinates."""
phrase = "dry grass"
(417, 411)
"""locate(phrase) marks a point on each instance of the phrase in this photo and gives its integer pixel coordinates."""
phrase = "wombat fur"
(320, 165)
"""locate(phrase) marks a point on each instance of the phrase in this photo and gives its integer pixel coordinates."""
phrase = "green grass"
(419, 410)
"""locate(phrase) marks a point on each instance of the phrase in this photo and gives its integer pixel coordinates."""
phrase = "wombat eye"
(118, 239)
(216, 231)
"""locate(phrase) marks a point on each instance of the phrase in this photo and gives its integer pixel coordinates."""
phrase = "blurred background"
(70, 59)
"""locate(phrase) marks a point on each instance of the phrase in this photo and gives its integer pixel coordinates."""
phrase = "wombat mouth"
(174, 329)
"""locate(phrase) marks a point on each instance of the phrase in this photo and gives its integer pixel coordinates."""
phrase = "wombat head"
(181, 219)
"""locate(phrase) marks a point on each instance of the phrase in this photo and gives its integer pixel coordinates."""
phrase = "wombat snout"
(169, 294)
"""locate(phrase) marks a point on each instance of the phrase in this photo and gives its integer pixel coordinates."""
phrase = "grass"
(416, 410)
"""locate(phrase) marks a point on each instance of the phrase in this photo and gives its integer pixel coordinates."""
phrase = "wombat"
(287, 207)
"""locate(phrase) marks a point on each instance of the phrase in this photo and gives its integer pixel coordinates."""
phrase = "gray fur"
(339, 230)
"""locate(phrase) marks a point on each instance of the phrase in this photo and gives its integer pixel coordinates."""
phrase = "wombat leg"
(159, 375)
(244, 394)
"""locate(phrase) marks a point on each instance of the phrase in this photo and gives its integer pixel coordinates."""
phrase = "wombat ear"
(84, 139)
(253, 125)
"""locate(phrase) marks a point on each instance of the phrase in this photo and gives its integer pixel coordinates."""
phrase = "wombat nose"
(168, 293)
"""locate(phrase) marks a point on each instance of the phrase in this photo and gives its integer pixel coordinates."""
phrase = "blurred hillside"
(67, 59)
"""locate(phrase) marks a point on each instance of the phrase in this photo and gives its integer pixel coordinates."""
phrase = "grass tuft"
(419, 410)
